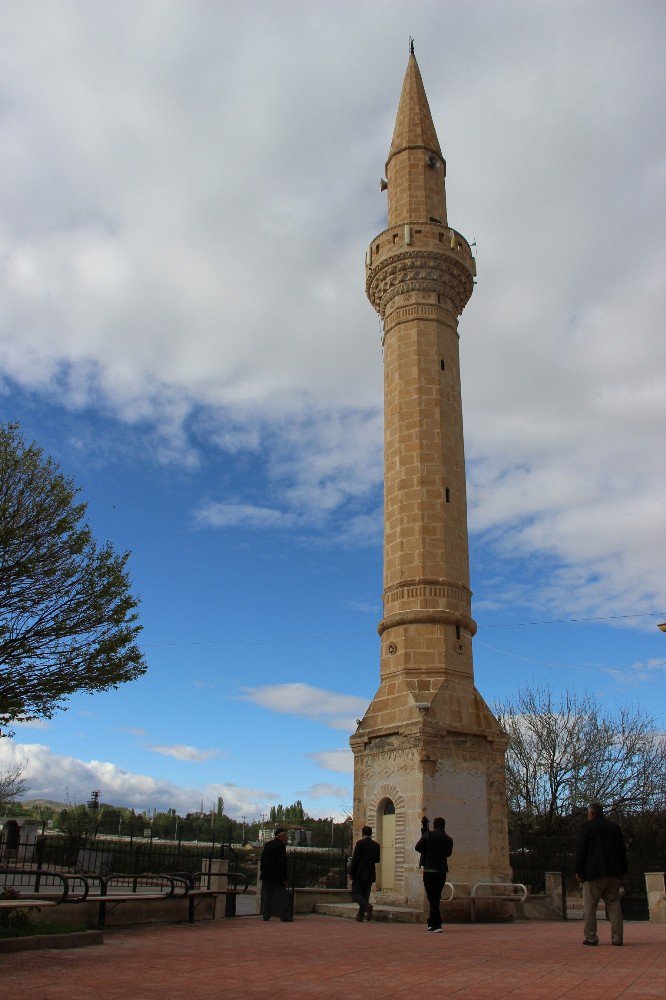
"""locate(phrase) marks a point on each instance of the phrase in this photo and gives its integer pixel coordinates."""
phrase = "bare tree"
(566, 751)
(12, 785)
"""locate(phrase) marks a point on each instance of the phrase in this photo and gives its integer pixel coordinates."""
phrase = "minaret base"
(425, 768)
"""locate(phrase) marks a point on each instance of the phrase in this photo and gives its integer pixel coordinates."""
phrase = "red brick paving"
(328, 957)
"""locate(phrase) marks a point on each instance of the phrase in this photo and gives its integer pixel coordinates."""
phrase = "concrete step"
(575, 910)
(382, 912)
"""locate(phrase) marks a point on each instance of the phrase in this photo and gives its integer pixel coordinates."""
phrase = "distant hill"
(43, 804)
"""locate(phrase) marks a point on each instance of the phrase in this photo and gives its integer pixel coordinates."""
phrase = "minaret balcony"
(415, 235)
(432, 261)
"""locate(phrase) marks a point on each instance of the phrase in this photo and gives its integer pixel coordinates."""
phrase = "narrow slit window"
(442, 365)
(447, 495)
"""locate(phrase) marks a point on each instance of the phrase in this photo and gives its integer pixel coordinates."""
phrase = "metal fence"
(531, 857)
(325, 868)
(106, 855)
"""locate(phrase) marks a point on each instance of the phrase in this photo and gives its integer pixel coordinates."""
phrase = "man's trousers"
(360, 893)
(607, 889)
(433, 883)
(274, 900)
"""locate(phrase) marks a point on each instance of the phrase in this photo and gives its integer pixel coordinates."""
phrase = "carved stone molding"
(423, 270)
(426, 588)
(449, 767)
(425, 616)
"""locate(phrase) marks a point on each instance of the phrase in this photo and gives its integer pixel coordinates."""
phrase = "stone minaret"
(428, 744)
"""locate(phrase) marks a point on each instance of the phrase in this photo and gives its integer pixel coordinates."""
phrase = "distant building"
(18, 833)
(297, 836)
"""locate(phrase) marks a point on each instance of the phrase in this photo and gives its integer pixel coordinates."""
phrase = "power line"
(369, 635)
(529, 659)
(275, 638)
(566, 621)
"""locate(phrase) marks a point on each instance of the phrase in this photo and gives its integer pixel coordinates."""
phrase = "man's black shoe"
(617, 944)
(591, 944)
(286, 920)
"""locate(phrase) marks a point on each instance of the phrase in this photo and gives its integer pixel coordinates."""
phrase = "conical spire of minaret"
(413, 125)
(415, 168)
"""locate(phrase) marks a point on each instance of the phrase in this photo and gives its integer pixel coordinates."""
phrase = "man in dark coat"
(434, 847)
(601, 864)
(362, 871)
(273, 873)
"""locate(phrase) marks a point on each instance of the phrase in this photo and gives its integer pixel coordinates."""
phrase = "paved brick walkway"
(326, 957)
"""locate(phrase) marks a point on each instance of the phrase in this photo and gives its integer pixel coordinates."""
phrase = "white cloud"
(182, 244)
(334, 760)
(324, 790)
(339, 711)
(31, 724)
(637, 673)
(235, 515)
(182, 752)
(62, 778)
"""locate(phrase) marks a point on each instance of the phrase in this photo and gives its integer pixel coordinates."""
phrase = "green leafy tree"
(68, 619)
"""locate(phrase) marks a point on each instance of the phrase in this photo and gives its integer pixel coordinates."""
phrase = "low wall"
(656, 894)
(487, 911)
(170, 910)
(306, 899)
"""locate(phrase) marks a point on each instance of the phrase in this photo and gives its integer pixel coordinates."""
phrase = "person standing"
(434, 847)
(363, 874)
(273, 872)
(601, 864)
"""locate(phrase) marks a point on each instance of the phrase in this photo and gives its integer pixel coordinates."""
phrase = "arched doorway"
(386, 823)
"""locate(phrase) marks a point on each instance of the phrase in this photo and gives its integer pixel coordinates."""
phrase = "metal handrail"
(453, 892)
(510, 897)
(233, 877)
(37, 875)
(499, 885)
(133, 880)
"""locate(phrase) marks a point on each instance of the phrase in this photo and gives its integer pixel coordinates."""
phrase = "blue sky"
(188, 190)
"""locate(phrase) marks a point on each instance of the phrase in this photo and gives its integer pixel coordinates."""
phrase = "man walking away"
(601, 864)
(434, 847)
(273, 872)
(362, 871)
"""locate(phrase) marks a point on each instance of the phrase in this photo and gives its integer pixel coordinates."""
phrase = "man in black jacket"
(362, 871)
(434, 847)
(273, 872)
(601, 864)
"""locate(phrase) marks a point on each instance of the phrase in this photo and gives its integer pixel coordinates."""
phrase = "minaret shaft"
(428, 743)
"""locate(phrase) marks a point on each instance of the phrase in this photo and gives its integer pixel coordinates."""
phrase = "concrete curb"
(36, 942)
